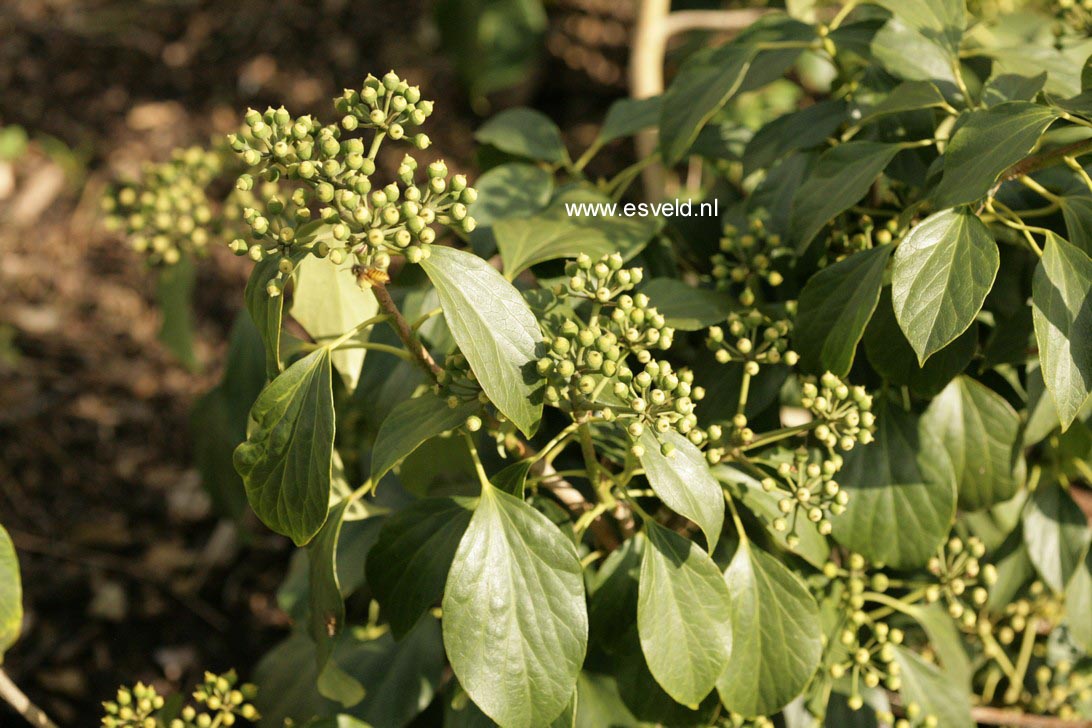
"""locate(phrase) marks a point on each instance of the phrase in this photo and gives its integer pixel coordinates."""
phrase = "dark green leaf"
(411, 423)
(11, 594)
(1078, 605)
(511, 190)
(804, 129)
(408, 565)
(907, 96)
(515, 621)
(687, 308)
(776, 634)
(327, 302)
(626, 117)
(981, 433)
(943, 19)
(1077, 211)
(940, 276)
(1012, 87)
(1056, 533)
(286, 461)
(934, 692)
(525, 133)
(512, 479)
(904, 477)
(598, 703)
(265, 310)
(1061, 299)
(834, 309)
(494, 329)
(683, 615)
(987, 143)
(683, 482)
(841, 178)
(175, 294)
(495, 44)
(945, 639)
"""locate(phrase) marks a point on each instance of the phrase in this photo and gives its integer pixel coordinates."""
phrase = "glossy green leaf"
(682, 480)
(946, 19)
(1078, 604)
(494, 329)
(940, 276)
(683, 615)
(905, 478)
(626, 117)
(891, 355)
(834, 309)
(524, 133)
(11, 594)
(907, 96)
(515, 620)
(981, 433)
(1061, 300)
(841, 178)
(702, 87)
(1012, 87)
(266, 311)
(286, 461)
(174, 291)
(411, 423)
(1056, 533)
(776, 634)
(986, 143)
(914, 54)
(1077, 211)
(408, 565)
(327, 611)
(327, 302)
(934, 692)
(685, 307)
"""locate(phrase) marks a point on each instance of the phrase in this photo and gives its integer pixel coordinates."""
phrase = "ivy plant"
(812, 462)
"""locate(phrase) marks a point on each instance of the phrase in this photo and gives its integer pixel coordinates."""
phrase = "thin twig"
(1001, 716)
(405, 332)
(15, 697)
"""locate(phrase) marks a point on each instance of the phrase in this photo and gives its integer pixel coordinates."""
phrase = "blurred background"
(130, 572)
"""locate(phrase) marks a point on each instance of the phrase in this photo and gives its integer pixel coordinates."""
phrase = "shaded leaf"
(803, 129)
(907, 96)
(933, 691)
(1077, 211)
(411, 423)
(687, 308)
(174, 292)
(525, 133)
(1078, 604)
(1056, 533)
(266, 311)
(1012, 87)
(626, 117)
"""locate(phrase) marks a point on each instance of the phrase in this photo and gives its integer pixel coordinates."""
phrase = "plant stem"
(736, 519)
(1043, 160)
(375, 346)
(405, 333)
(353, 331)
(15, 697)
(744, 392)
(478, 467)
(781, 434)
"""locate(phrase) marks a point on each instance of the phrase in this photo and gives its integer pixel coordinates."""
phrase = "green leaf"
(327, 612)
(1056, 533)
(981, 433)
(946, 19)
(1077, 211)
(286, 461)
(524, 133)
(513, 478)
(685, 307)
(985, 144)
(803, 129)
(702, 87)
(626, 117)
(495, 44)
(174, 292)
(327, 302)
(912, 54)
(834, 309)
(683, 615)
(11, 594)
(1078, 604)
(598, 703)
(945, 639)
(904, 478)
(907, 96)
(408, 566)
(494, 329)
(510, 190)
(265, 310)
(940, 276)
(1012, 87)
(776, 634)
(1061, 301)
(932, 690)
(842, 176)
(410, 424)
(562, 233)
(515, 620)
(682, 480)
(891, 355)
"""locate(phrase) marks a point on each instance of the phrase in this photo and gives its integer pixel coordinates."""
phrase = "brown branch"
(1036, 162)
(1003, 717)
(15, 697)
(405, 333)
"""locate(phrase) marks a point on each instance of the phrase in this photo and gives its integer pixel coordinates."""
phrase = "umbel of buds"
(219, 699)
(842, 411)
(753, 338)
(749, 259)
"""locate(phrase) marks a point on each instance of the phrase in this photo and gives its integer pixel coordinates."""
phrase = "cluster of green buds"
(856, 233)
(323, 198)
(1020, 615)
(843, 412)
(805, 480)
(752, 338)
(1075, 14)
(167, 212)
(962, 580)
(220, 699)
(600, 280)
(1062, 691)
(661, 398)
(747, 259)
(735, 720)
(133, 707)
(457, 384)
